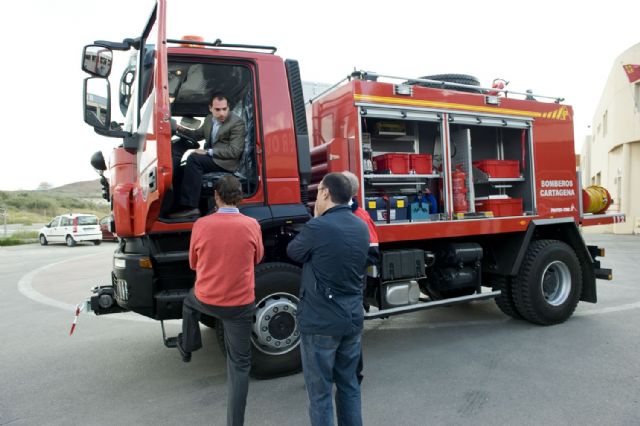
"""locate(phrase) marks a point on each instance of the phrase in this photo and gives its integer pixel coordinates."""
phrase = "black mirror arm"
(112, 133)
(125, 45)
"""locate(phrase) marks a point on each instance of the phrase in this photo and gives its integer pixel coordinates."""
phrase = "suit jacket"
(333, 249)
(229, 144)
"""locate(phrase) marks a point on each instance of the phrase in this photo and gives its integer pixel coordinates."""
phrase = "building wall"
(612, 152)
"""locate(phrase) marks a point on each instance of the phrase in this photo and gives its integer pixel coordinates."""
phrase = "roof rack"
(218, 43)
(372, 76)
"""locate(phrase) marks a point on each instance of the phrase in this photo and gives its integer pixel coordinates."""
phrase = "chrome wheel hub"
(275, 329)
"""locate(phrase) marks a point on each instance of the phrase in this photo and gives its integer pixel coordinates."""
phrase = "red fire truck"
(474, 189)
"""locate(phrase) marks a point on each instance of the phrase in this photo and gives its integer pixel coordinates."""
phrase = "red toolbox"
(499, 168)
(500, 206)
(396, 163)
(421, 164)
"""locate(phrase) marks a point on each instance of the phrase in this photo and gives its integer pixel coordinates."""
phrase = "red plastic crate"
(397, 163)
(422, 164)
(499, 168)
(500, 206)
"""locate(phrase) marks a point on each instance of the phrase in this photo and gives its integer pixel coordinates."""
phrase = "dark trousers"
(237, 322)
(197, 165)
(327, 360)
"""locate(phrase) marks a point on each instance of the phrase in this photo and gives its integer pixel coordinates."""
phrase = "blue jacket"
(333, 249)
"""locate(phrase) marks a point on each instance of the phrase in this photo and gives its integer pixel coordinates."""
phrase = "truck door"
(148, 150)
(150, 121)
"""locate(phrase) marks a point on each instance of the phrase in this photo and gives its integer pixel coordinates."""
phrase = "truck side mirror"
(97, 102)
(97, 60)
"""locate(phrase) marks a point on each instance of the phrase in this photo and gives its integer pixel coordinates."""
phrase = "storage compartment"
(422, 206)
(421, 164)
(500, 206)
(399, 264)
(387, 209)
(499, 168)
(394, 163)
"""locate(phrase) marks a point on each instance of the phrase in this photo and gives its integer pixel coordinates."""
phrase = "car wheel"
(43, 240)
(70, 241)
(97, 242)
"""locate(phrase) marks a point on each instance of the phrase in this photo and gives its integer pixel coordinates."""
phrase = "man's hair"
(221, 97)
(353, 180)
(229, 189)
(339, 187)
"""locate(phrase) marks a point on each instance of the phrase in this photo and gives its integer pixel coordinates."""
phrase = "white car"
(70, 229)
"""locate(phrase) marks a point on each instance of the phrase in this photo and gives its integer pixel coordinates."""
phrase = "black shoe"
(185, 213)
(186, 356)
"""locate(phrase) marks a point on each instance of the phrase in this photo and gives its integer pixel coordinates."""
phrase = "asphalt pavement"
(463, 365)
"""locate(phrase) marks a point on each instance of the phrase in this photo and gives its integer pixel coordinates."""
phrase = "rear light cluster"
(75, 225)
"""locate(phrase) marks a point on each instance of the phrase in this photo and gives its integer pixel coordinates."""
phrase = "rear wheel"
(97, 242)
(549, 283)
(43, 240)
(70, 241)
(505, 300)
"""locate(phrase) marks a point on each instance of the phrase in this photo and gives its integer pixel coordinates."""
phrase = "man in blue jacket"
(333, 248)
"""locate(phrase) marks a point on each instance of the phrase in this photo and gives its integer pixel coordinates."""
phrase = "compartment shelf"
(480, 177)
(402, 176)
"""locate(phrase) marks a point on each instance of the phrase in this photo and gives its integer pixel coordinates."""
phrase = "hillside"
(87, 188)
(39, 206)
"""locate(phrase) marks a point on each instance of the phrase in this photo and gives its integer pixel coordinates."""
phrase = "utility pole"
(4, 213)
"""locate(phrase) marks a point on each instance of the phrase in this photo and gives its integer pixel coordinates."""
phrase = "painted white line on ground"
(26, 288)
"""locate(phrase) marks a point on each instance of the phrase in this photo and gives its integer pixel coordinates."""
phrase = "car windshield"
(87, 220)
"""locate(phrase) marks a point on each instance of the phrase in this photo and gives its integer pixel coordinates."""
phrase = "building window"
(636, 96)
(604, 123)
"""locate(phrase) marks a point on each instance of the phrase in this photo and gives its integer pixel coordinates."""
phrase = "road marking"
(26, 288)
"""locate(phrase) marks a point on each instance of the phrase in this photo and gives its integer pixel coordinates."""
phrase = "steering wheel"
(185, 140)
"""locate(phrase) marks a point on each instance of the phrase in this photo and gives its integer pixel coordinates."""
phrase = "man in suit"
(333, 249)
(224, 135)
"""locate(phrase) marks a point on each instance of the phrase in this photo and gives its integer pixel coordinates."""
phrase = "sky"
(562, 49)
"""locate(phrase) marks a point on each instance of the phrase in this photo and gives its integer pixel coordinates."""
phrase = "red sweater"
(373, 234)
(224, 249)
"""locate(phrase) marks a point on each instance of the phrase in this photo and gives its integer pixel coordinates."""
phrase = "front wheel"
(275, 336)
(43, 240)
(549, 283)
(70, 241)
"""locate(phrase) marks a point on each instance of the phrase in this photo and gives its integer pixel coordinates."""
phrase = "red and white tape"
(79, 308)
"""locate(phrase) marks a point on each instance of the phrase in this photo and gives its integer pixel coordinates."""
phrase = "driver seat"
(246, 171)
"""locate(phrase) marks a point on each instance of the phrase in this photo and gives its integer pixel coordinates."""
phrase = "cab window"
(191, 86)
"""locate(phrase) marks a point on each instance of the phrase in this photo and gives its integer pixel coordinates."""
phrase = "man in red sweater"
(225, 247)
(373, 256)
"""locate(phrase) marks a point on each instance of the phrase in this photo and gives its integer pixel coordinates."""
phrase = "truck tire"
(549, 283)
(505, 300)
(275, 336)
(452, 78)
